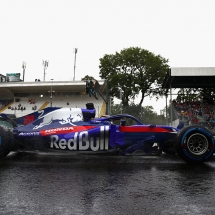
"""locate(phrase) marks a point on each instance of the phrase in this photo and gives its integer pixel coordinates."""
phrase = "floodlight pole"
(45, 65)
(76, 50)
(23, 66)
(51, 93)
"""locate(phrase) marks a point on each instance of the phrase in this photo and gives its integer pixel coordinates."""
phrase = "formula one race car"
(77, 130)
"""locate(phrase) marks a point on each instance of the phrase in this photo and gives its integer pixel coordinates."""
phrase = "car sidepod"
(82, 138)
(143, 138)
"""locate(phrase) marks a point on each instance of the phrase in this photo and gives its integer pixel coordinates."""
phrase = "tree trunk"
(142, 98)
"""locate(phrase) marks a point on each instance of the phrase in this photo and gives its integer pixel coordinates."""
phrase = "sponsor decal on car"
(65, 130)
(82, 141)
(28, 119)
(63, 116)
(29, 134)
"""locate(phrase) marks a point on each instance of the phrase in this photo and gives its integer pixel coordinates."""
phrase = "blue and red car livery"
(77, 130)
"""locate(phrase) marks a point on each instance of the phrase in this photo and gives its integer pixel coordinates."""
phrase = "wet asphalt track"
(41, 183)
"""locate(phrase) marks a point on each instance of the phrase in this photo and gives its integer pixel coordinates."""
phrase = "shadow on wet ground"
(45, 183)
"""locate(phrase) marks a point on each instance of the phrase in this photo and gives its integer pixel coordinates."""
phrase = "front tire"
(195, 144)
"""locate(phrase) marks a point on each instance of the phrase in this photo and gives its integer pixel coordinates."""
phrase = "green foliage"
(134, 71)
(208, 95)
(144, 114)
(87, 77)
(188, 94)
(194, 94)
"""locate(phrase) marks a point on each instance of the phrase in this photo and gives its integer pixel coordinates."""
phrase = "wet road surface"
(40, 183)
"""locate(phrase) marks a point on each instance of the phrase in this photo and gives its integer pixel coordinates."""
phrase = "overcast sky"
(180, 30)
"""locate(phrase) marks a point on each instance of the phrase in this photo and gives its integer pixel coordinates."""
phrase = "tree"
(132, 72)
(208, 95)
(87, 78)
(144, 114)
(194, 94)
(188, 94)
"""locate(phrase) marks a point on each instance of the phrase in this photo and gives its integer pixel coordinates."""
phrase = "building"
(22, 98)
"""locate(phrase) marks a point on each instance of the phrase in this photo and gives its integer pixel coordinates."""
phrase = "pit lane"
(73, 158)
(50, 183)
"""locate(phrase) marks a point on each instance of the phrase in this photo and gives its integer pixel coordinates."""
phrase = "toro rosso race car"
(77, 130)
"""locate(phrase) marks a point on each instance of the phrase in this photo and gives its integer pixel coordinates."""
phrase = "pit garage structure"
(188, 77)
(8, 90)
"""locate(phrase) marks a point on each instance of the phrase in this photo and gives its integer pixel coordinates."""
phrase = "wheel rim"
(197, 144)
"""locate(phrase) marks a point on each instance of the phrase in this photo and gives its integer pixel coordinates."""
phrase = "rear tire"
(7, 122)
(6, 141)
(195, 144)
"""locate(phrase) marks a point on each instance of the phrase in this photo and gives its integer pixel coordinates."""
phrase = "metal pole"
(167, 123)
(121, 101)
(23, 75)
(107, 98)
(23, 66)
(76, 50)
(51, 94)
(44, 74)
(45, 65)
(171, 104)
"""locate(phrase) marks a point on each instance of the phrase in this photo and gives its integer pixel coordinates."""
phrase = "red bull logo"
(63, 116)
(82, 141)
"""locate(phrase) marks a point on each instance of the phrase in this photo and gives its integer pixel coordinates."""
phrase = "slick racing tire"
(195, 144)
(7, 122)
(6, 141)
